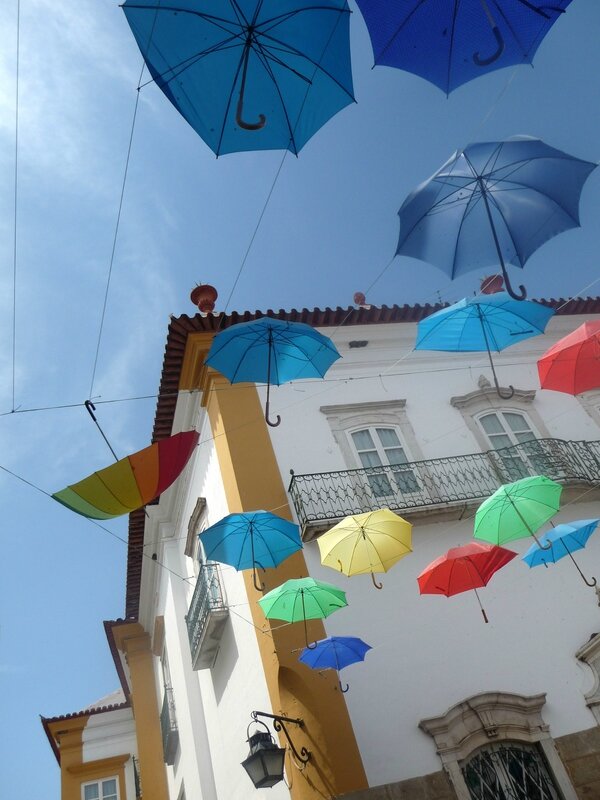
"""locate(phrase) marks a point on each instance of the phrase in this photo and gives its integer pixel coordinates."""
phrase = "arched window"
(509, 771)
(377, 447)
(512, 434)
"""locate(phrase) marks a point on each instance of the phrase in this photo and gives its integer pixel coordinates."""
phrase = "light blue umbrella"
(271, 351)
(483, 323)
(251, 539)
(248, 74)
(493, 203)
(564, 540)
(335, 652)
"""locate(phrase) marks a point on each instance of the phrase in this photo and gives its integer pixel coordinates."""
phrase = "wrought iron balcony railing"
(438, 482)
(207, 617)
(168, 727)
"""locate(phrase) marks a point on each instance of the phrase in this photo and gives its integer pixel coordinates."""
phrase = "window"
(101, 790)
(509, 771)
(377, 447)
(511, 429)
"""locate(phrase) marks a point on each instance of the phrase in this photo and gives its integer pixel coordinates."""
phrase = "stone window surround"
(476, 404)
(493, 717)
(348, 417)
(590, 401)
(589, 654)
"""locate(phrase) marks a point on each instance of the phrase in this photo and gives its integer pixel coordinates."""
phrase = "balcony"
(168, 727)
(207, 617)
(321, 499)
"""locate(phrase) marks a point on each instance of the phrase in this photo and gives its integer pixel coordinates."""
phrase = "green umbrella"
(300, 599)
(517, 509)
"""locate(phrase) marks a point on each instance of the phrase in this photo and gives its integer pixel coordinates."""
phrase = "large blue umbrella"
(493, 202)
(453, 41)
(564, 540)
(248, 74)
(335, 652)
(487, 322)
(271, 351)
(251, 539)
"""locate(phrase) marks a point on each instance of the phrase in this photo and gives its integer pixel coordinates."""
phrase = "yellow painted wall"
(252, 481)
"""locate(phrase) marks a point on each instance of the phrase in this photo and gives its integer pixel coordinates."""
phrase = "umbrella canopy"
(564, 540)
(572, 365)
(452, 42)
(335, 652)
(486, 322)
(493, 203)
(363, 543)
(463, 568)
(131, 482)
(300, 599)
(271, 351)
(251, 539)
(248, 74)
(517, 509)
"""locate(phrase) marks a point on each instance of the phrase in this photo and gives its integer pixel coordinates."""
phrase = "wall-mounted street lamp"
(265, 761)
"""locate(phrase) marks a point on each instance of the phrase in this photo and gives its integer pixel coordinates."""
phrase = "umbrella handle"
(260, 587)
(489, 352)
(483, 62)
(269, 421)
(342, 688)
(262, 120)
(375, 584)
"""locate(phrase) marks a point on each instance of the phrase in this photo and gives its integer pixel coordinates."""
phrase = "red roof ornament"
(204, 296)
(492, 284)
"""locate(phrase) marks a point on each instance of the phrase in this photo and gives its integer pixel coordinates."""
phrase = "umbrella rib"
(399, 28)
(451, 48)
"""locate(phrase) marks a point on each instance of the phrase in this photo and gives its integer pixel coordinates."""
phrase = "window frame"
(98, 782)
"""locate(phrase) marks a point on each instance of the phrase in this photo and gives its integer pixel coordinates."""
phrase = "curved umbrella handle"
(262, 120)
(506, 396)
(342, 688)
(375, 584)
(522, 290)
(483, 62)
(269, 421)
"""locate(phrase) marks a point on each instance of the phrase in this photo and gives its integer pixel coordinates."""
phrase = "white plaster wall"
(112, 733)
(431, 652)
(212, 705)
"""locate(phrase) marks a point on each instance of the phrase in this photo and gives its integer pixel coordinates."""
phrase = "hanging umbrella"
(572, 365)
(248, 74)
(564, 540)
(335, 652)
(517, 509)
(452, 42)
(464, 568)
(131, 482)
(363, 543)
(271, 351)
(251, 539)
(487, 322)
(300, 599)
(493, 202)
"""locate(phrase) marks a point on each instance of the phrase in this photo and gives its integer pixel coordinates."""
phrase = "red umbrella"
(573, 364)
(463, 568)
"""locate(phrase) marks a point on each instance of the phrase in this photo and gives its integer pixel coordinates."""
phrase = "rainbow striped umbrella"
(131, 482)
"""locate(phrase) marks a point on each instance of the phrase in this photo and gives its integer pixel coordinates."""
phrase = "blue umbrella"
(487, 322)
(248, 74)
(271, 351)
(493, 202)
(251, 539)
(564, 540)
(451, 42)
(335, 652)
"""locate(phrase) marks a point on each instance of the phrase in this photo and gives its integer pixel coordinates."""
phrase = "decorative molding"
(193, 525)
(590, 401)
(589, 654)
(487, 396)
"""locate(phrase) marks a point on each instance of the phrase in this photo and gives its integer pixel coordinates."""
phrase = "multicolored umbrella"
(486, 322)
(493, 203)
(300, 599)
(517, 509)
(248, 74)
(450, 43)
(363, 543)
(251, 539)
(131, 482)
(335, 652)
(464, 568)
(271, 351)
(572, 365)
(564, 540)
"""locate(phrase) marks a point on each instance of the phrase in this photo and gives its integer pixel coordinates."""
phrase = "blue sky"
(329, 229)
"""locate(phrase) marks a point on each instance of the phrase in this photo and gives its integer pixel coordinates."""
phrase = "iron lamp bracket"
(279, 725)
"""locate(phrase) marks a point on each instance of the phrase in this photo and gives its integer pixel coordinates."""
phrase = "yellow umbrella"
(370, 542)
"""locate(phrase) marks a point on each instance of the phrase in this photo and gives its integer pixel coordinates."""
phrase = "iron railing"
(168, 727)
(329, 496)
(137, 779)
(208, 607)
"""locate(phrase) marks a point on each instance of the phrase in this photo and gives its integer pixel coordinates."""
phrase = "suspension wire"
(16, 204)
